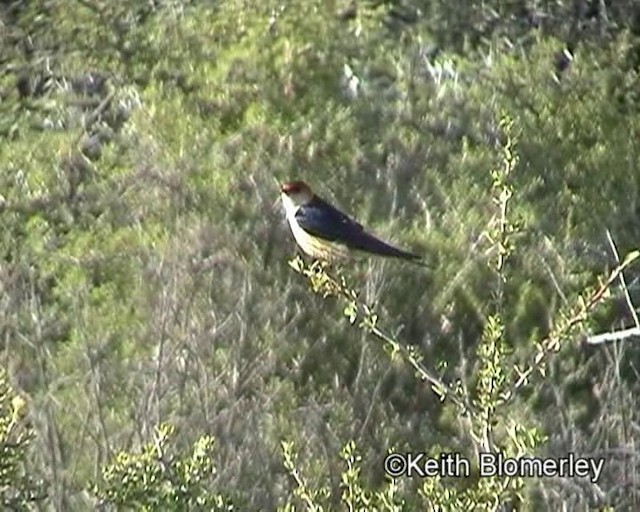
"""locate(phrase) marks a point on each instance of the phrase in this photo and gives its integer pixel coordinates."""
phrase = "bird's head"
(297, 192)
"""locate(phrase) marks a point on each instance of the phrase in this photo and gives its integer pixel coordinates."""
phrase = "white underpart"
(290, 210)
(311, 245)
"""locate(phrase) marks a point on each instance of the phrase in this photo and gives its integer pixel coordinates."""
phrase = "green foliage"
(353, 495)
(18, 489)
(158, 478)
(491, 417)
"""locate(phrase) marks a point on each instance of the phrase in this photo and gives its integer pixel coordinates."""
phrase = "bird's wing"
(320, 219)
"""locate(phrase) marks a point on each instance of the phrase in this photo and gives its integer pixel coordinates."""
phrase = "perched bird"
(324, 232)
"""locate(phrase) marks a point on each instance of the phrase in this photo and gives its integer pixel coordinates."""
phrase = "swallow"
(325, 233)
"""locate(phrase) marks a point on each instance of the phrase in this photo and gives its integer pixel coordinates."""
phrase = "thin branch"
(579, 315)
(633, 332)
(328, 285)
(623, 282)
